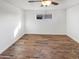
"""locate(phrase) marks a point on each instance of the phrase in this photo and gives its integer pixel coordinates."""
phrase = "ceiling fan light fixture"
(46, 3)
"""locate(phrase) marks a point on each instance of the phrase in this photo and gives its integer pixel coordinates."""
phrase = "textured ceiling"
(23, 4)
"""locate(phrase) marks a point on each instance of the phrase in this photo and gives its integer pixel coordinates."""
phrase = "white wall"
(73, 22)
(11, 25)
(56, 25)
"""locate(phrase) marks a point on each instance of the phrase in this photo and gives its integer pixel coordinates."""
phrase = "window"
(44, 16)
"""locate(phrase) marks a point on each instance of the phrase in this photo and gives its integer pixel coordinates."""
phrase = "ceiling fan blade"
(55, 3)
(34, 1)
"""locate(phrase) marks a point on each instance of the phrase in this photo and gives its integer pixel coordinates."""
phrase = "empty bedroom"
(39, 29)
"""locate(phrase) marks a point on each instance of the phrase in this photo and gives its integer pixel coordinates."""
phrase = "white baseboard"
(47, 33)
(74, 38)
(16, 39)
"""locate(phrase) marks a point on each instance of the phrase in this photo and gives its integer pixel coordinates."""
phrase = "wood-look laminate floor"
(44, 47)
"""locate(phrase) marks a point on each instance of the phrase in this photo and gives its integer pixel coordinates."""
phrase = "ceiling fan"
(44, 2)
